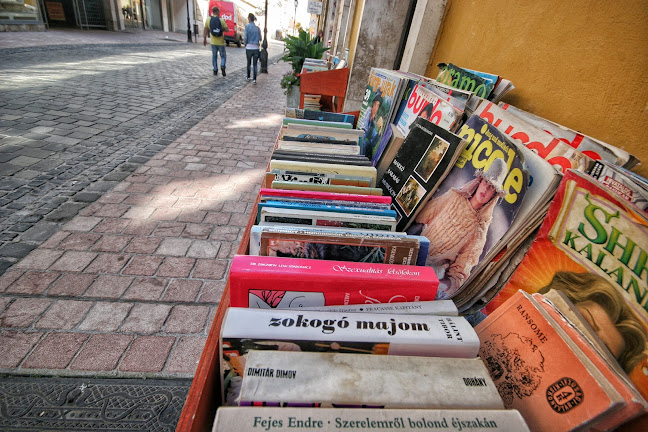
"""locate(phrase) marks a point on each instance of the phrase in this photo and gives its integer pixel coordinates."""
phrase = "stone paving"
(130, 285)
(76, 120)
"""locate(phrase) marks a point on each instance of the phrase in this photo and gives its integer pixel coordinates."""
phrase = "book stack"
(336, 308)
(376, 250)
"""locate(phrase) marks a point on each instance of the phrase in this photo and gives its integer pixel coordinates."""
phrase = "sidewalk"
(129, 287)
(54, 37)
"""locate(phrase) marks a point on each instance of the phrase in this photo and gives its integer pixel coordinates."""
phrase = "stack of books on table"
(377, 249)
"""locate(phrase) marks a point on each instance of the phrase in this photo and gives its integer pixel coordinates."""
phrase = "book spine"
(359, 380)
(338, 282)
(257, 418)
(436, 307)
(326, 208)
(325, 195)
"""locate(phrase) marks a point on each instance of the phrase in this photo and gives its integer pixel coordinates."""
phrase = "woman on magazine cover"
(607, 312)
(456, 223)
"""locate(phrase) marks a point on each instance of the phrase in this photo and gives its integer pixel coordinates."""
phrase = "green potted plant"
(297, 49)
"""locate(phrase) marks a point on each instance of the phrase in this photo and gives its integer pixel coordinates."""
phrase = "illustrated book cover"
(426, 156)
(537, 372)
(427, 104)
(474, 206)
(592, 246)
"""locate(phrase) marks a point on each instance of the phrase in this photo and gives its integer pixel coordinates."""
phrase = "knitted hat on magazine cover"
(495, 175)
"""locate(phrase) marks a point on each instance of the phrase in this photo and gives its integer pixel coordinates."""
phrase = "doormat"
(84, 404)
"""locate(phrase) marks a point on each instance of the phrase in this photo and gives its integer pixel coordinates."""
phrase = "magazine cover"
(474, 206)
(377, 107)
(425, 103)
(424, 159)
(465, 79)
(592, 246)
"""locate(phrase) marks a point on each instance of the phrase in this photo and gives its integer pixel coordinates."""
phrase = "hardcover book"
(392, 145)
(266, 193)
(329, 148)
(319, 115)
(426, 156)
(353, 160)
(592, 247)
(539, 373)
(270, 215)
(316, 178)
(247, 329)
(268, 282)
(473, 207)
(353, 380)
(327, 188)
(264, 418)
(316, 207)
(332, 246)
(435, 307)
(343, 125)
(324, 168)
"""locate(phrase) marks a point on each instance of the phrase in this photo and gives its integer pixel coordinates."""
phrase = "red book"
(264, 192)
(282, 283)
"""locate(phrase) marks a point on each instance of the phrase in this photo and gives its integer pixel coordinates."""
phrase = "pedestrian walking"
(216, 26)
(252, 39)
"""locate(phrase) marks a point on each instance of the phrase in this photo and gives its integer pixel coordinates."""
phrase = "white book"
(436, 307)
(246, 329)
(329, 379)
(262, 419)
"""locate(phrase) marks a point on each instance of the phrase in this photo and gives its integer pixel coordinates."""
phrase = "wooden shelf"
(329, 84)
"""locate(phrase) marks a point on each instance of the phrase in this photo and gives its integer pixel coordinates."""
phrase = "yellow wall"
(583, 64)
(355, 29)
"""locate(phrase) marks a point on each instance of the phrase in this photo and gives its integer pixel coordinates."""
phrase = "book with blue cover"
(324, 207)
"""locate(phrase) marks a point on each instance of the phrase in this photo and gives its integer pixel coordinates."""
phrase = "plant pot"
(292, 98)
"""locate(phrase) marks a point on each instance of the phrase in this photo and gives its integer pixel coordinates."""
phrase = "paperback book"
(474, 206)
(319, 115)
(257, 418)
(355, 380)
(316, 178)
(266, 193)
(592, 247)
(426, 156)
(273, 215)
(249, 329)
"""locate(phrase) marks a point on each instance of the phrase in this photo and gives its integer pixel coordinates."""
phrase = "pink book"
(283, 283)
(265, 192)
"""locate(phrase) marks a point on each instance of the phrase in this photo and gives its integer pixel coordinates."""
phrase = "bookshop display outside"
(440, 260)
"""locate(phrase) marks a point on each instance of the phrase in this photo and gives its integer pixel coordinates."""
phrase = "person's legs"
(255, 55)
(215, 59)
(248, 56)
(221, 48)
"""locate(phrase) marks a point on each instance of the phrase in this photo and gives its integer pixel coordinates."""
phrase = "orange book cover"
(634, 403)
(593, 246)
(537, 373)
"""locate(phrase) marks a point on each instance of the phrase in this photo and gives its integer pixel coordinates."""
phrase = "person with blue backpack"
(216, 26)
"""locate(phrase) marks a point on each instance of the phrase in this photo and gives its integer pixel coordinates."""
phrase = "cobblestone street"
(77, 119)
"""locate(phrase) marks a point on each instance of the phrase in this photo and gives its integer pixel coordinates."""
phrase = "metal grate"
(90, 13)
(82, 404)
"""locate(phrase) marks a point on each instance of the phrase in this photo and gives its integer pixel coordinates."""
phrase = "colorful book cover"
(590, 147)
(464, 79)
(328, 188)
(360, 204)
(423, 160)
(425, 103)
(328, 379)
(550, 148)
(256, 418)
(537, 373)
(592, 246)
(257, 281)
(377, 107)
(265, 192)
(474, 206)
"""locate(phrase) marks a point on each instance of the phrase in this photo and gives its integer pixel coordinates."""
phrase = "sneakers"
(247, 79)
(254, 81)
(223, 69)
(215, 72)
